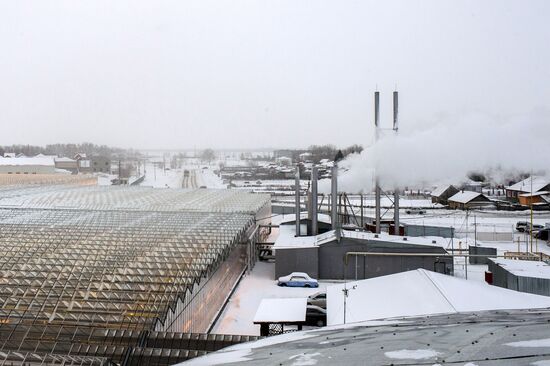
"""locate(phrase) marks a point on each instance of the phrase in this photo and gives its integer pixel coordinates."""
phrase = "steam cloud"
(446, 152)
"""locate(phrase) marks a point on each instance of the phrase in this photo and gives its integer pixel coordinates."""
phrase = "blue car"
(297, 279)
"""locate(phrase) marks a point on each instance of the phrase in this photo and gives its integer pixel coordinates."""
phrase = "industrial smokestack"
(297, 198)
(377, 190)
(396, 190)
(395, 111)
(314, 230)
(376, 111)
(334, 196)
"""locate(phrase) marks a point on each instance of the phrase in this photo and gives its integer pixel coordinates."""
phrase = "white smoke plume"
(447, 151)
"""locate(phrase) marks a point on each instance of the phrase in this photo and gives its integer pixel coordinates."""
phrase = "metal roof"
(132, 198)
(489, 338)
(118, 259)
(537, 183)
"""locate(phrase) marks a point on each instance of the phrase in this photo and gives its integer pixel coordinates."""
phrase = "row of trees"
(70, 150)
(331, 152)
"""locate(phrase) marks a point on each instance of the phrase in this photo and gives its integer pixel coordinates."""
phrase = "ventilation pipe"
(314, 203)
(297, 199)
(377, 190)
(334, 202)
(396, 190)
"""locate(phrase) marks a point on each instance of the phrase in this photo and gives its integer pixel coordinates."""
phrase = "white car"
(297, 279)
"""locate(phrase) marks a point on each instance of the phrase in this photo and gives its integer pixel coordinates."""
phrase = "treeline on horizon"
(70, 150)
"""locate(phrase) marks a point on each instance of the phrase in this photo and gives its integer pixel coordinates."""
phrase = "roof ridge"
(428, 275)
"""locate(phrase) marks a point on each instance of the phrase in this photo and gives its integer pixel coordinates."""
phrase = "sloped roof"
(488, 338)
(538, 183)
(465, 196)
(440, 190)
(534, 194)
(421, 292)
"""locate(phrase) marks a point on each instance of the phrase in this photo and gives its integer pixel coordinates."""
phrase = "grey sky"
(184, 74)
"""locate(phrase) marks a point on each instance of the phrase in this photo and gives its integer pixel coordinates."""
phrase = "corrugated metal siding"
(480, 251)
(297, 260)
(506, 279)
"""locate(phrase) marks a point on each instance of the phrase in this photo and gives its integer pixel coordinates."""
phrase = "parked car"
(316, 316)
(318, 299)
(297, 279)
(415, 211)
(536, 228)
(543, 234)
(521, 226)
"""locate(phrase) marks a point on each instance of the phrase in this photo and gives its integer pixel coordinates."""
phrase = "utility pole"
(346, 294)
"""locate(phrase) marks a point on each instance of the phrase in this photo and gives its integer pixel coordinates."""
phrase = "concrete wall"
(101, 164)
(297, 260)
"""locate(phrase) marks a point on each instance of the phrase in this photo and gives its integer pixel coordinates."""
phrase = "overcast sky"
(230, 74)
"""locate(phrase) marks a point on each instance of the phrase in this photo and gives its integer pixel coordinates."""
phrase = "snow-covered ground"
(207, 178)
(105, 179)
(156, 177)
(237, 318)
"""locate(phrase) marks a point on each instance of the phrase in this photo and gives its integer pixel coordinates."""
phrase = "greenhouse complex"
(120, 275)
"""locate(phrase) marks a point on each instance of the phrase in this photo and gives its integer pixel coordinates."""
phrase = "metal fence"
(423, 230)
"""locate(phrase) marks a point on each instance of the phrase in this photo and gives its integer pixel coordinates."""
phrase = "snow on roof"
(285, 219)
(421, 292)
(287, 310)
(440, 190)
(465, 196)
(537, 183)
(288, 240)
(26, 161)
(64, 159)
(521, 268)
(534, 194)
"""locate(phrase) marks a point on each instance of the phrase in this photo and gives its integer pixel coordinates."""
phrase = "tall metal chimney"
(376, 111)
(297, 199)
(334, 197)
(395, 110)
(396, 190)
(314, 229)
(377, 190)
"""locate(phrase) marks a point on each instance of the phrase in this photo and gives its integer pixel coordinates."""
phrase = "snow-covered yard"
(237, 318)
